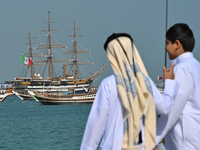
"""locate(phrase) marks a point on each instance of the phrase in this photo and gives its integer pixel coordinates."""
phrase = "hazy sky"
(144, 20)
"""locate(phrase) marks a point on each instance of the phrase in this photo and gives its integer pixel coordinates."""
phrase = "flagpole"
(157, 83)
(166, 31)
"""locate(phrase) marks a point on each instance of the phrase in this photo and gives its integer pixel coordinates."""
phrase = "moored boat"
(68, 98)
(4, 93)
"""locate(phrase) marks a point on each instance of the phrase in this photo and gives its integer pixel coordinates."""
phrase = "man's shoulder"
(110, 78)
(109, 87)
(109, 81)
(188, 64)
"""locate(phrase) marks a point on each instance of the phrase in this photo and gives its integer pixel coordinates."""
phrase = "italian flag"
(26, 60)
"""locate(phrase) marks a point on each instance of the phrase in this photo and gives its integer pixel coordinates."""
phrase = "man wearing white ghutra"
(123, 115)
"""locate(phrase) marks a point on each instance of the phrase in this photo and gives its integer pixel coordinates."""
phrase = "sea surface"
(27, 125)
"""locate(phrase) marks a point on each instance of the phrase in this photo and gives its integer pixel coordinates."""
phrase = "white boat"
(23, 95)
(4, 94)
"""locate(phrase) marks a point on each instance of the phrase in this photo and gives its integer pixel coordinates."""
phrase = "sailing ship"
(53, 83)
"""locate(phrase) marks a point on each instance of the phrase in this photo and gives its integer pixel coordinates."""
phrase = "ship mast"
(75, 51)
(49, 47)
(30, 54)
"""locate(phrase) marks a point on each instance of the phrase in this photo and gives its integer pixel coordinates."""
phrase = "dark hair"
(183, 33)
(115, 36)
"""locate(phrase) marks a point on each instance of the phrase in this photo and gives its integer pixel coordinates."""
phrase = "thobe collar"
(182, 57)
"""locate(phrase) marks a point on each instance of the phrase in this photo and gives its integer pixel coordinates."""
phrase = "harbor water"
(27, 125)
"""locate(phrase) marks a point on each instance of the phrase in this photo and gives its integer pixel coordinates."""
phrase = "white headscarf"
(135, 91)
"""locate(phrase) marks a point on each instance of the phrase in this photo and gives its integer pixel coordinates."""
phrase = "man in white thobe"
(183, 123)
(106, 119)
(106, 116)
(181, 127)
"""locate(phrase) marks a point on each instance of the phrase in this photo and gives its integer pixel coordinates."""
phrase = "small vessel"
(4, 93)
(23, 95)
(46, 98)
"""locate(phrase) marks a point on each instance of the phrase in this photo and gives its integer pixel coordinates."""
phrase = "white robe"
(182, 125)
(106, 116)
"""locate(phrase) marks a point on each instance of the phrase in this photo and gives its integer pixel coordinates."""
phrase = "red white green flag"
(26, 60)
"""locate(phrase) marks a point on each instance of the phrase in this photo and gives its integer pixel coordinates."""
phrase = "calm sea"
(27, 125)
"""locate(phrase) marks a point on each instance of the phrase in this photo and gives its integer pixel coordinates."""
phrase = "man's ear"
(178, 44)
